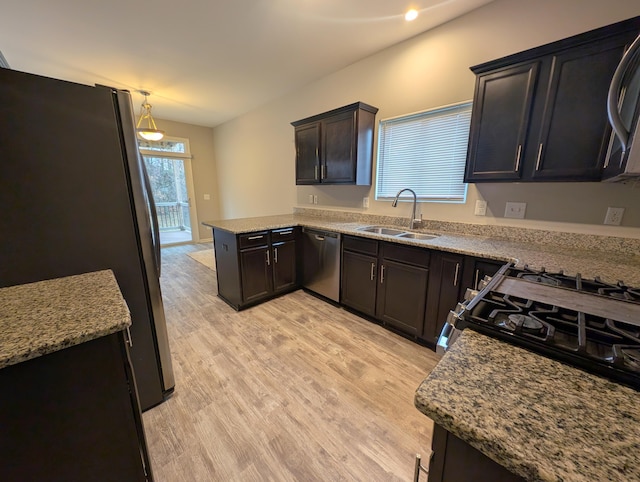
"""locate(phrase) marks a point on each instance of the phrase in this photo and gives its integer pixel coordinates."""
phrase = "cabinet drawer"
(286, 234)
(249, 240)
(361, 245)
(406, 254)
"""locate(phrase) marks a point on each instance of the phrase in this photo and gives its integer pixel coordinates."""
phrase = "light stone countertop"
(541, 419)
(47, 316)
(618, 259)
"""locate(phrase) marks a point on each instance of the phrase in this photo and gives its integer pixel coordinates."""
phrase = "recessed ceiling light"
(411, 15)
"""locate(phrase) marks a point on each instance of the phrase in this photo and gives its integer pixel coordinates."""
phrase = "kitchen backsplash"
(629, 246)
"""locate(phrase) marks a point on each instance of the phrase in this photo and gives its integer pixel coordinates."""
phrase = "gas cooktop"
(584, 322)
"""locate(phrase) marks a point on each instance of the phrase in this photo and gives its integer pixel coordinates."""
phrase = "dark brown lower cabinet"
(359, 274)
(73, 415)
(402, 288)
(475, 269)
(445, 281)
(253, 267)
(285, 266)
(387, 281)
(255, 273)
(456, 461)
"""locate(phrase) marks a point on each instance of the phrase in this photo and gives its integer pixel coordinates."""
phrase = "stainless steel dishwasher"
(321, 262)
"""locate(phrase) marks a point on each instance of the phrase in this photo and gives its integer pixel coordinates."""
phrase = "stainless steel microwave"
(622, 162)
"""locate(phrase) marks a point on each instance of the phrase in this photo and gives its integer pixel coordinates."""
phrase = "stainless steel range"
(584, 322)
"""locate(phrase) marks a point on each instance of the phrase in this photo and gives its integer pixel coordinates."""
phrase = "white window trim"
(390, 196)
(168, 154)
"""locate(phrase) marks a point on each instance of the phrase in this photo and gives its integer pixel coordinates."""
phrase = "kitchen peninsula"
(69, 408)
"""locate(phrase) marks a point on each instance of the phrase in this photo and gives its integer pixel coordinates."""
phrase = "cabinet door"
(444, 292)
(575, 131)
(70, 416)
(338, 156)
(359, 282)
(255, 266)
(307, 139)
(475, 269)
(500, 122)
(402, 296)
(284, 266)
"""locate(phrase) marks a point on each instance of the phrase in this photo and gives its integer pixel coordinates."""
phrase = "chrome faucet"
(413, 212)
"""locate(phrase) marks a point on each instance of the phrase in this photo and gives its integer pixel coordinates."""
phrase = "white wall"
(203, 167)
(255, 152)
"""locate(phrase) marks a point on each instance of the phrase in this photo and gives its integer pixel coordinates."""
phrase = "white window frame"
(389, 183)
(165, 147)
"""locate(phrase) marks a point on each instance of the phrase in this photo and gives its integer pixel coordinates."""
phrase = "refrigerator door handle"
(613, 97)
(155, 232)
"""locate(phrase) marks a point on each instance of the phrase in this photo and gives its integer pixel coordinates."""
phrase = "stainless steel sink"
(398, 233)
(382, 230)
(417, 236)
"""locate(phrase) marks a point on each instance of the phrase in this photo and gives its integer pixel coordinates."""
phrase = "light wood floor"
(291, 390)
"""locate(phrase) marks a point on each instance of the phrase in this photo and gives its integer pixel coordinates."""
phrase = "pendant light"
(146, 127)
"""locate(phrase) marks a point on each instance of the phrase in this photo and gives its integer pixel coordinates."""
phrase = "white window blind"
(426, 152)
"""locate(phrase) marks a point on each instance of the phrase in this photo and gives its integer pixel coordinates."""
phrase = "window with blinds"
(426, 152)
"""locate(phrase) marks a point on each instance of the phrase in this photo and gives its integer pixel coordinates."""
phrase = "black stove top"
(558, 323)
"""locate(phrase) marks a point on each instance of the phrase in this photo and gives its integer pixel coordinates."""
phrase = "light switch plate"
(515, 210)
(365, 202)
(310, 198)
(481, 208)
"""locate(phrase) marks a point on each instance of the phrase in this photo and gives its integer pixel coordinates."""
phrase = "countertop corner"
(47, 316)
(539, 418)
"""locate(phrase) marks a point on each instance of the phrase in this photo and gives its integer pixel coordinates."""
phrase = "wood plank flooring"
(294, 389)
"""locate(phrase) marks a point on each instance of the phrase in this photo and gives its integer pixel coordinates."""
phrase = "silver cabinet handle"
(382, 274)
(256, 237)
(455, 278)
(268, 259)
(128, 338)
(323, 171)
(315, 172)
(539, 157)
(275, 255)
(373, 271)
(475, 281)
(284, 233)
(518, 157)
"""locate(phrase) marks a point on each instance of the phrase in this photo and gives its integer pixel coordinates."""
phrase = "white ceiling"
(207, 61)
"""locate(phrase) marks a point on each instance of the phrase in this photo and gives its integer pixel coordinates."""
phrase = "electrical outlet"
(207, 197)
(310, 198)
(515, 210)
(481, 208)
(365, 202)
(315, 199)
(614, 216)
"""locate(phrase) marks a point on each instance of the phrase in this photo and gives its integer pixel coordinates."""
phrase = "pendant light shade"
(146, 127)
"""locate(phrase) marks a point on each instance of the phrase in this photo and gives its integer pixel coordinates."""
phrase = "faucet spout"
(415, 201)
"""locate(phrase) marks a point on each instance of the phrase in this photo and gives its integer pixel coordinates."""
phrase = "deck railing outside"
(173, 216)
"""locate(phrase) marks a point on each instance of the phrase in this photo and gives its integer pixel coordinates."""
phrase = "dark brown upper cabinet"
(541, 115)
(336, 147)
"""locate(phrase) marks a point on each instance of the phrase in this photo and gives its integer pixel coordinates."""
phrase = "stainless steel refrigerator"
(73, 199)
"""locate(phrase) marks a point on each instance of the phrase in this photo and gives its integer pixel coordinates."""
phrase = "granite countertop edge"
(43, 317)
(530, 414)
(610, 267)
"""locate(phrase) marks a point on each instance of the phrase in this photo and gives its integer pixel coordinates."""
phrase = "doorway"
(168, 164)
